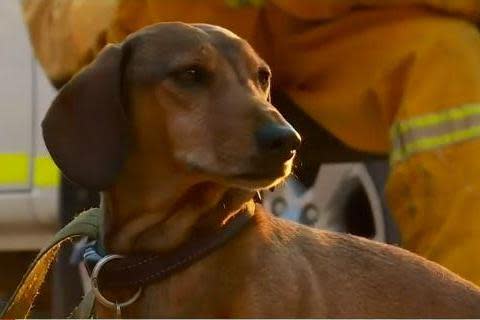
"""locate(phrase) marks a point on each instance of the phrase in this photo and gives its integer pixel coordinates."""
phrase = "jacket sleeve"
(66, 35)
(434, 181)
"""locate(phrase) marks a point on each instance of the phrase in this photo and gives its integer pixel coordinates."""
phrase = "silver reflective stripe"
(434, 130)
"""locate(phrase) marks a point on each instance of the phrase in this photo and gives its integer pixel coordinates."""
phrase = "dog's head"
(191, 97)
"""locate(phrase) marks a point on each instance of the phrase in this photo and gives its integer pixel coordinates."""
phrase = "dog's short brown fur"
(165, 124)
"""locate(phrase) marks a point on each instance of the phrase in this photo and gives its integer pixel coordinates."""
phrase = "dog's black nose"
(277, 139)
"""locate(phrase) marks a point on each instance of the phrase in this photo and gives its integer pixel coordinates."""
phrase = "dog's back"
(356, 277)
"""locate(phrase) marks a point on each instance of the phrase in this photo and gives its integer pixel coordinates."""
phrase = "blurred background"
(384, 93)
(29, 181)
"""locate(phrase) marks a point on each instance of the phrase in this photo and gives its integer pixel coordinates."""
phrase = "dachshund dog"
(174, 125)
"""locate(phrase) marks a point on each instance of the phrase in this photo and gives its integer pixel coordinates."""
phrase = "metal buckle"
(98, 295)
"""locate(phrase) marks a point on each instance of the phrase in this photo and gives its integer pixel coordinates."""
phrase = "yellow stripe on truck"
(15, 170)
(46, 174)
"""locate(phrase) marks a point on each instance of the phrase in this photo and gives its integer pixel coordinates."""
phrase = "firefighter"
(399, 78)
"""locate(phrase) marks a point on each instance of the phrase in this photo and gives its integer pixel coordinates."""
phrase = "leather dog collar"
(137, 270)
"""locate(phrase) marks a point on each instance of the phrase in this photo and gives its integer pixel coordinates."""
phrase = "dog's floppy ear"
(85, 129)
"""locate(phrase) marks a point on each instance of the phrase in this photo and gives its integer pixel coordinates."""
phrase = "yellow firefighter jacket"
(396, 76)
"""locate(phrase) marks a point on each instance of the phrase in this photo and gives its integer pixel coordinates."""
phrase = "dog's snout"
(277, 139)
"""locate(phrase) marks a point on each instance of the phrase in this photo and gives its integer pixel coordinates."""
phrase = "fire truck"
(28, 177)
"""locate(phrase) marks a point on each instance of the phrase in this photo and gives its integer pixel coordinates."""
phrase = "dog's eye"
(189, 76)
(264, 75)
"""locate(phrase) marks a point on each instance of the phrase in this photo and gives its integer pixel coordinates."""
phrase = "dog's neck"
(160, 213)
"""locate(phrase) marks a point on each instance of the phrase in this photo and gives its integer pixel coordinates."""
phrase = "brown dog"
(174, 125)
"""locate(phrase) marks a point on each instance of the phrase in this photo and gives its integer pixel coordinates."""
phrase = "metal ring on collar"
(96, 290)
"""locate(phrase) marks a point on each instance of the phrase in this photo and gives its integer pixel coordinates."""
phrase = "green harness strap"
(86, 224)
(85, 309)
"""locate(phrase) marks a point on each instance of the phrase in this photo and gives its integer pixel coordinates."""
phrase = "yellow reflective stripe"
(429, 143)
(432, 119)
(46, 173)
(434, 130)
(15, 170)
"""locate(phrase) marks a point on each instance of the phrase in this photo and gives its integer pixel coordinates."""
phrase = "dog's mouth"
(270, 173)
(261, 177)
